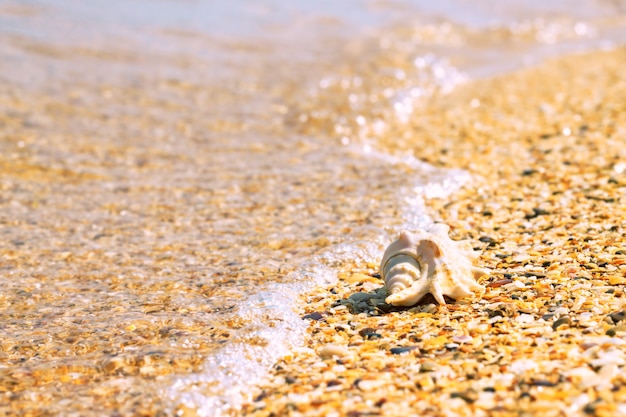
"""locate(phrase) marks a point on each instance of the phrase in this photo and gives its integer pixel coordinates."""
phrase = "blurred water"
(190, 168)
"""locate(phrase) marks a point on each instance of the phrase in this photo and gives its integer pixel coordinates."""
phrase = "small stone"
(469, 395)
(499, 283)
(616, 329)
(524, 318)
(462, 339)
(426, 383)
(592, 407)
(370, 336)
(370, 384)
(617, 316)
(617, 280)
(366, 331)
(355, 278)
(330, 351)
(536, 212)
(563, 321)
(489, 240)
(400, 350)
(377, 301)
(313, 316)
(358, 297)
(428, 366)
(361, 307)
(542, 383)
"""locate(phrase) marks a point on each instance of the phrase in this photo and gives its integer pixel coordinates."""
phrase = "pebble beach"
(547, 146)
(193, 211)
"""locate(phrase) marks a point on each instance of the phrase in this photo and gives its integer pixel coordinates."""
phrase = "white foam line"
(225, 383)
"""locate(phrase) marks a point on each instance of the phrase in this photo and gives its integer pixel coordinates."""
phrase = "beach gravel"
(547, 209)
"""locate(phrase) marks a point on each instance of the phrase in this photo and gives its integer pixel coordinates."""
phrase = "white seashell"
(429, 262)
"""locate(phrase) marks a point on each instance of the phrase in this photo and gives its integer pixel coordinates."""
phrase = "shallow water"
(175, 174)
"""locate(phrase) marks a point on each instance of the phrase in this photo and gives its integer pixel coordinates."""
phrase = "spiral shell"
(429, 261)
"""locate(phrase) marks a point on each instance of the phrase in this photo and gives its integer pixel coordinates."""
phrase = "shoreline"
(543, 145)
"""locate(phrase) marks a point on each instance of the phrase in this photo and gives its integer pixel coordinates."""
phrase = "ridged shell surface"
(428, 261)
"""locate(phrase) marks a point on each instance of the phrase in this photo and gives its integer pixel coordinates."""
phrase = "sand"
(547, 211)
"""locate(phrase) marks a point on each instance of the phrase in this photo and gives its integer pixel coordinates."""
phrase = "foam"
(224, 383)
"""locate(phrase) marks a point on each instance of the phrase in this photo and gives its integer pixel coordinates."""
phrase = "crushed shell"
(548, 212)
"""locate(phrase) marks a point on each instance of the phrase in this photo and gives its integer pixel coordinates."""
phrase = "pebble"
(330, 351)
(313, 316)
(462, 339)
(617, 316)
(489, 240)
(562, 321)
(371, 384)
(428, 366)
(617, 280)
(524, 318)
(613, 331)
(499, 283)
(400, 350)
(358, 277)
(371, 336)
(469, 395)
(360, 296)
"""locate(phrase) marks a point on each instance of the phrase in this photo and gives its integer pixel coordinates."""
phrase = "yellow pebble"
(361, 278)
(436, 343)
(617, 280)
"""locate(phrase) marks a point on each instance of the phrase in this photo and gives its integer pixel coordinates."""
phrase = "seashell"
(429, 261)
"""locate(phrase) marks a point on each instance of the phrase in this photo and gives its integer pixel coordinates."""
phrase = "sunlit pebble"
(581, 29)
(400, 107)
(20, 144)
(324, 83)
(424, 61)
(566, 131)
(379, 126)
(345, 140)
(474, 103)
(620, 167)
(360, 120)
(439, 72)
(462, 339)
(400, 75)
(417, 92)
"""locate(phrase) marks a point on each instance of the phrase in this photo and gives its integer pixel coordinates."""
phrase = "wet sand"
(547, 209)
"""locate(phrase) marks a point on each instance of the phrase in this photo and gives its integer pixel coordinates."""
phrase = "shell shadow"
(374, 301)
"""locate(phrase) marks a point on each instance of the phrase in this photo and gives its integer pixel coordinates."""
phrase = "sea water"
(196, 167)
